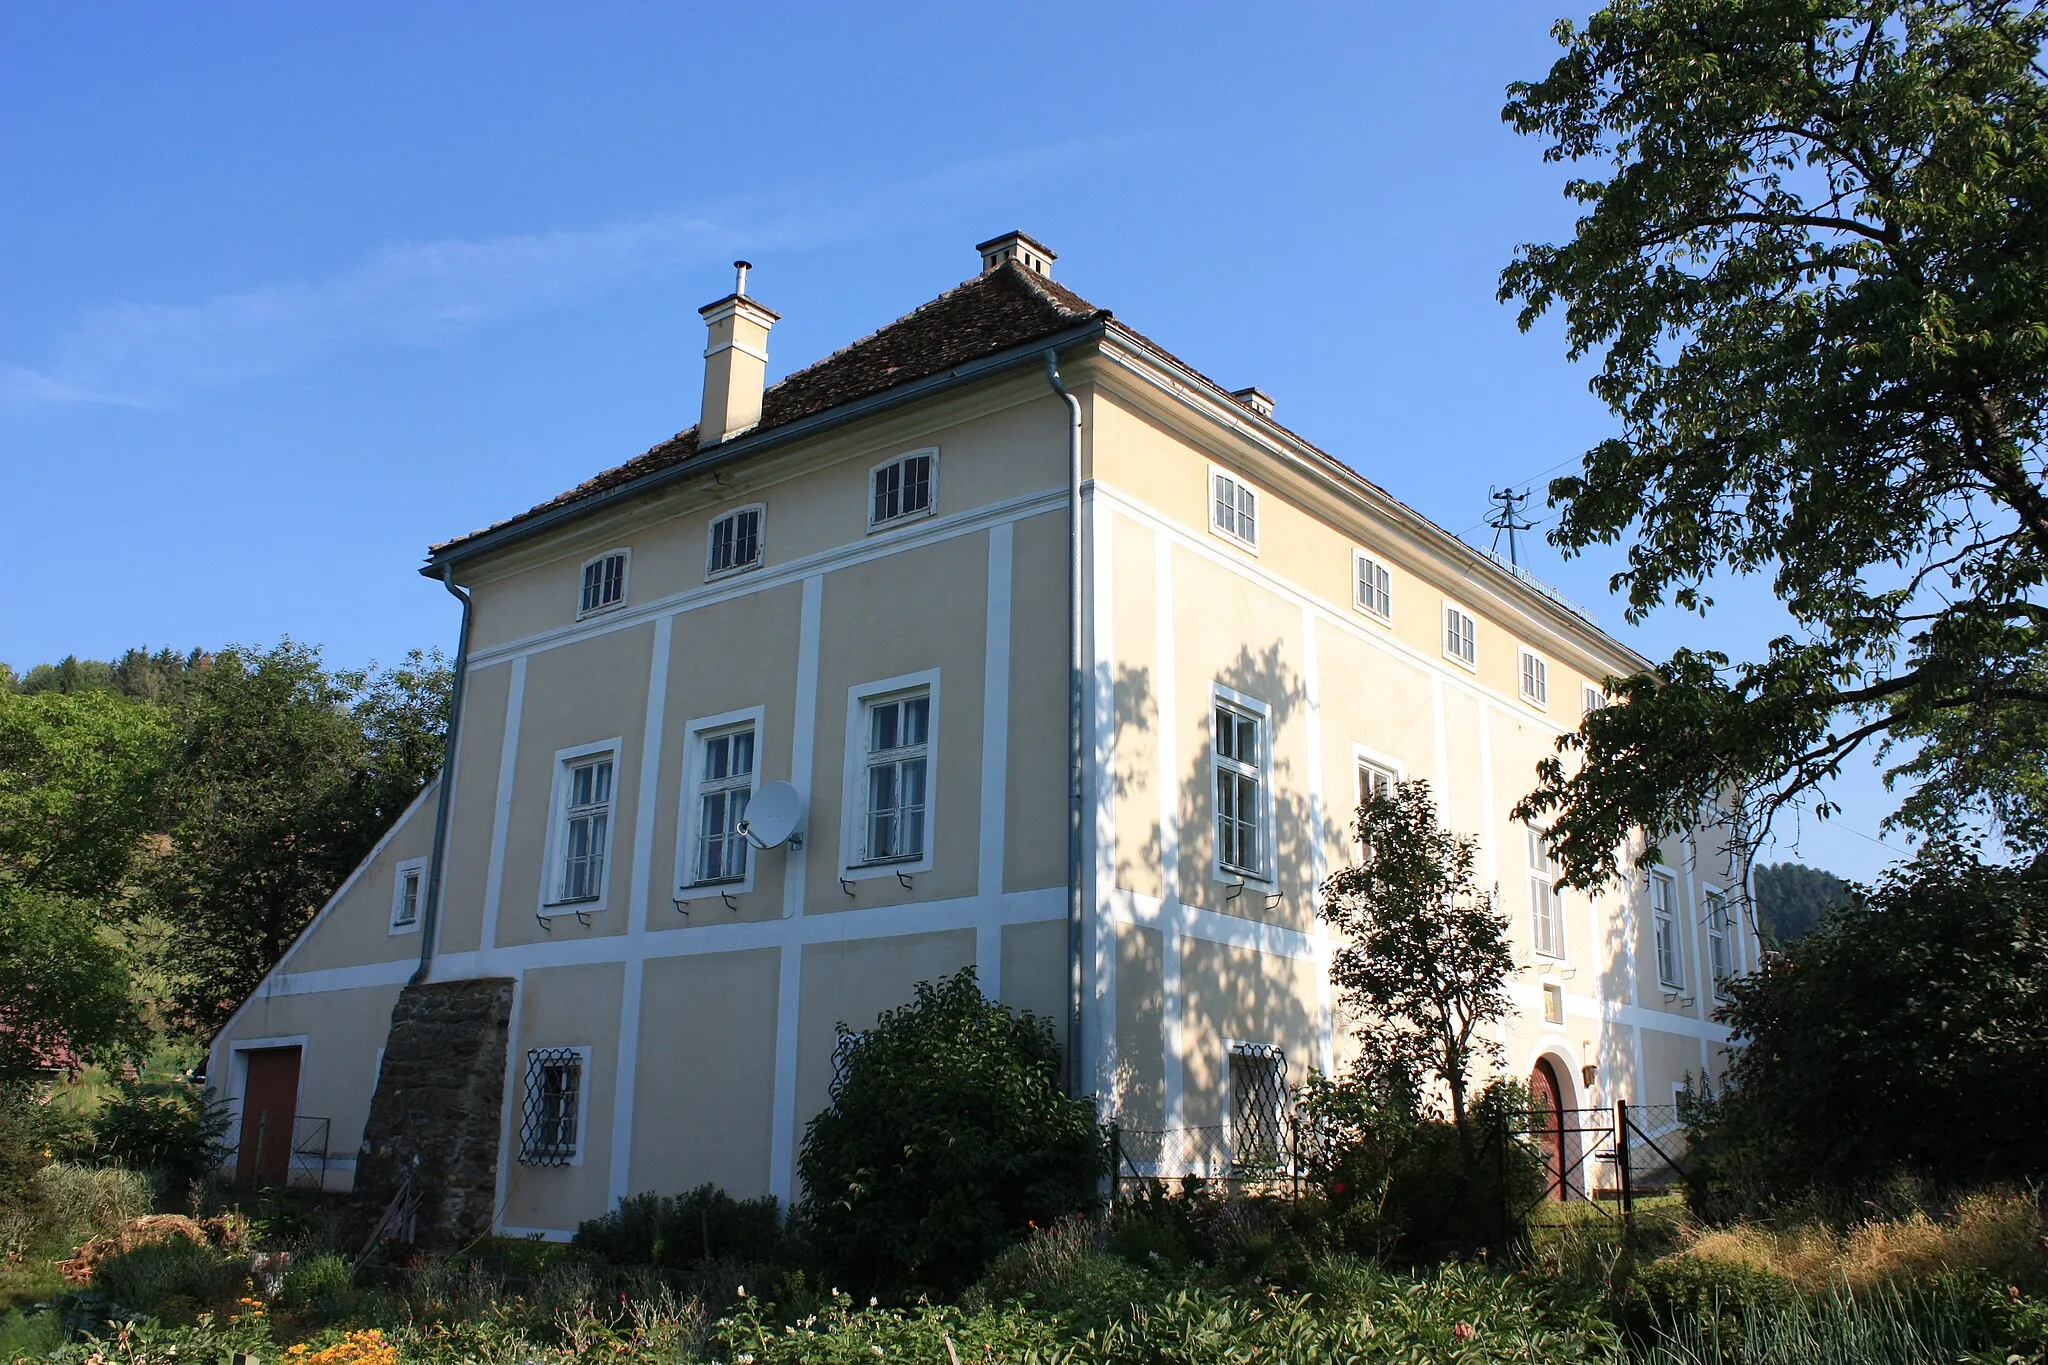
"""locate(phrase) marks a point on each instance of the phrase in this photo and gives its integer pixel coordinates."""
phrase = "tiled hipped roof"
(1007, 307)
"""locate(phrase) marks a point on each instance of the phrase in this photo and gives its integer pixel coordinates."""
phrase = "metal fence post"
(1628, 1192)
(1116, 1161)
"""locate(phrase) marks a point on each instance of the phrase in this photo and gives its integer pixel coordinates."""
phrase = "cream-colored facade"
(704, 1015)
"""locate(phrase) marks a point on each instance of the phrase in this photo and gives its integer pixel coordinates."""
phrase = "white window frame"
(1471, 634)
(1362, 758)
(1233, 1047)
(689, 808)
(413, 867)
(625, 555)
(1532, 668)
(931, 507)
(584, 1108)
(552, 866)
(1360, 559)
(1543, 875)
(760, 509)
(1592, 699)
(1724, 934)
(1262, 712)
(1231, 533)
(853, 806)
(1661, 918)
(1553, 990)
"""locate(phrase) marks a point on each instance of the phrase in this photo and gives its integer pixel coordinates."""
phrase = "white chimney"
(1258, 400)
(1035, 257)
(735, 362)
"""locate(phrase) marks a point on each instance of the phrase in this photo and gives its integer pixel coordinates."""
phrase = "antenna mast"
(1507, 516)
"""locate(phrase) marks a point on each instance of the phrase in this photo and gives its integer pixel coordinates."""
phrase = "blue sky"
(291, 291)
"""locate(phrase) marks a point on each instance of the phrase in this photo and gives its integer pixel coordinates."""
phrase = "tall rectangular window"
(1375, 586)
(551, 1125)
(1240, 802)
(904, 487)
(1592, 699)
(1664, 932)
(1258, 1104)
(898, 750)
(1234, 509)
(1535, 678)
(1546, 921)
(1720, 928)
(604, 583)
(406, 895)
(1373, 780)
(735, 542)
(1461, 636)
(725, 783)
(586, 828)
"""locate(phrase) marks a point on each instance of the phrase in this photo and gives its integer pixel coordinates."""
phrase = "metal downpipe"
(430, 921)
(1076, 905)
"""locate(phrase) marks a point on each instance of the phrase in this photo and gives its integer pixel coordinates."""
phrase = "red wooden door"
(1547, 1094)
(270, 1101)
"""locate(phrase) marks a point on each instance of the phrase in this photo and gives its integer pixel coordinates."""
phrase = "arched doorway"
(1547, 1094)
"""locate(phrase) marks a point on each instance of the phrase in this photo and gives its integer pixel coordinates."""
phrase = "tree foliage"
(1814, 263)
(1425, 959)
(64, 986)
(1902, 1034)
(948, 1135)
(1792, 899)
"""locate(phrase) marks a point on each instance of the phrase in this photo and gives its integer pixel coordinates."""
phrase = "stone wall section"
(437, 1110)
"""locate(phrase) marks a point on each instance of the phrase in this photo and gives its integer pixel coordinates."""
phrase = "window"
(1374, 586)
(1234, 509)
(725, 783)
(604, 583)
(551, 1126)
(583, 836)
(1240, 798)
(735, 542)
(905, 487)
(898, 737)
(1720, 925)
(1374, 780)
(1553, 1003)
(1664, 931)
(1258, 1104)
(1547, 922)
(1461, 636)
(1535, 679)
(407, 894)
(1593, 699)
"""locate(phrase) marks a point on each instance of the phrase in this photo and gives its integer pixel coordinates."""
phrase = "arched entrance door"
(1546, 1094)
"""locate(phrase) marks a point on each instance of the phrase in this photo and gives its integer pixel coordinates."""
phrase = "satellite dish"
(772, 816)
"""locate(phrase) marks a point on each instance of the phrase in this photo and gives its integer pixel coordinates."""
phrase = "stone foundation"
(440, 1098)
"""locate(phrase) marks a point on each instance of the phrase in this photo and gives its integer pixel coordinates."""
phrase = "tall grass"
(1878, 1326)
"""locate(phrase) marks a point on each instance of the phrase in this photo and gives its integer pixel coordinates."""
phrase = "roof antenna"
(1507, 516)
(740, 285)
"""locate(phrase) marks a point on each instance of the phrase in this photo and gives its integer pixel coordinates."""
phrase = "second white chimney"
(735, 362)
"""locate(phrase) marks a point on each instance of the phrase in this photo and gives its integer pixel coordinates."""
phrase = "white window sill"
(619, 605)
(893, 522)
(714, 575)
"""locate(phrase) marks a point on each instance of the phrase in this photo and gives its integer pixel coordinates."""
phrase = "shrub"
(177, 1275)
(948, 1135)
(694, 1231)
(172, 1133)
(1064, 1269)
(29, 1337)
(321, 1288)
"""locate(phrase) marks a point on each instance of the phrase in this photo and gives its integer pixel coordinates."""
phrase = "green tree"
(1814, 262)
(1425, 958)
(285, 778)
(948, 1135)
(1792, 899)
(1903, 1033)
(64, 986)
(79, 784)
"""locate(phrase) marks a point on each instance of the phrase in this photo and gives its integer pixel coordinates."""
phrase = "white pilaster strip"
(803, 732)
(637, 911)
(1102, 770)
(1496, 857)
(501, 816)
(1443, 742)
(1166, 698)
(1318, 840)
(995, 753)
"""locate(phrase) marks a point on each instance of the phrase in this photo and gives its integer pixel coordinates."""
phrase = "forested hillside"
(1792, 898)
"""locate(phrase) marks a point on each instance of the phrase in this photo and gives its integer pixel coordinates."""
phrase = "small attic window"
(604, 583)
(735, 542)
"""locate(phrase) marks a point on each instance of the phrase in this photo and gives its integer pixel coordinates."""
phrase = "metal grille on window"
(898, 735)
(1258, 1104)
(552, 1110)
(585, 829)
(842, 1055)
(1237, 790)
(1543, 908)
(724, 785)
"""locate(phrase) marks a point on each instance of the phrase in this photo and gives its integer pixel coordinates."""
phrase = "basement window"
(551, 1115)
(903, 489)
(1258, 1105)
(735, 542)
(604, 583)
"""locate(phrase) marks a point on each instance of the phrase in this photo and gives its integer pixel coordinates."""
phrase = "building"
(856, 582)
